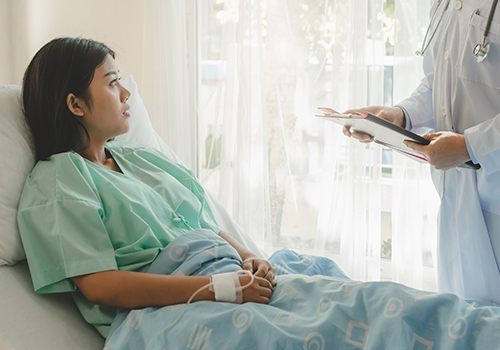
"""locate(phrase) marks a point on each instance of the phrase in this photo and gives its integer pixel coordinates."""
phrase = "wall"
(166, 80)
(26, 25)
(5, 43)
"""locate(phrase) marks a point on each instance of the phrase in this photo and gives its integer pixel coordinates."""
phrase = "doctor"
(459, 98)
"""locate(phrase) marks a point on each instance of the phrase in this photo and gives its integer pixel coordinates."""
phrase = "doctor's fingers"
(432, 135)
(415, 146)
(346, 131)
(424, 150)
(360, 136)
(376, 110)
(370, 109)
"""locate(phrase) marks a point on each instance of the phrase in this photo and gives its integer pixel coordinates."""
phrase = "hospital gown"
(461, 95)
(76, 218)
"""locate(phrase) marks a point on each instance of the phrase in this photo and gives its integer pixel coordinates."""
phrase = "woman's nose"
(125, 94)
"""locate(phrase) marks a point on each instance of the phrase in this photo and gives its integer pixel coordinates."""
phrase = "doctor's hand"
(447, 149)
(259, 268)
(394, 115)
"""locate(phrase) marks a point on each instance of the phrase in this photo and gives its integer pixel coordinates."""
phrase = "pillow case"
(18, 157)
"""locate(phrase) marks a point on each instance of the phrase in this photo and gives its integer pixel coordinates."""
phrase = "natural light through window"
(290, 179)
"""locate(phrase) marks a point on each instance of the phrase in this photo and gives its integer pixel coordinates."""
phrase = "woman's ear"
(75, 105)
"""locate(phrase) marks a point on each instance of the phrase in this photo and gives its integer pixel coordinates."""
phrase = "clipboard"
(383, 132)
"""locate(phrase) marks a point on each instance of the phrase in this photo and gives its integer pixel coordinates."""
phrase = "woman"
(95, 214)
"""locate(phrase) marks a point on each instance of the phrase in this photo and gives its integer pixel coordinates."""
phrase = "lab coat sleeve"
(483, 144)
(418, 107)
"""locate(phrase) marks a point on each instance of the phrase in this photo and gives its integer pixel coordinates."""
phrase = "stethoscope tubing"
(490, 18)
(426, 42)
(483, 47)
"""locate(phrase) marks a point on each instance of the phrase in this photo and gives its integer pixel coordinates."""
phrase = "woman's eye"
(113, 82)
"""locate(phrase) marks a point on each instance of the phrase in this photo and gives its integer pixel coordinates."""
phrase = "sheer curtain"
(288, 178)
(291, 179)
(170, 74)
(414, 238)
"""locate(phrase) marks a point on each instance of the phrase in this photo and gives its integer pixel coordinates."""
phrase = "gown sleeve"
(63, 238)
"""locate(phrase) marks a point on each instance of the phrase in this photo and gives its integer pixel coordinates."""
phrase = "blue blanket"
(314, 306)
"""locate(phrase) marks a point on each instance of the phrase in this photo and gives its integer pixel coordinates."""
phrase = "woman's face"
(108, 114)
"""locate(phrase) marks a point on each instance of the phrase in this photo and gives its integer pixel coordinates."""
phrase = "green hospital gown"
(76, 218)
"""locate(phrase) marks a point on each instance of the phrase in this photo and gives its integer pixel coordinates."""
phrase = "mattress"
(44, 322)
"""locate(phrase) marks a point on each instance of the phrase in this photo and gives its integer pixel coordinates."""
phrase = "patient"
(94, 213)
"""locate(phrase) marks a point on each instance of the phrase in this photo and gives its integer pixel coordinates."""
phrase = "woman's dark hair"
(60, 67)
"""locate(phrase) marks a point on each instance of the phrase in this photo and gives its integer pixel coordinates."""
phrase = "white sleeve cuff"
(407, 117)
(469, 149)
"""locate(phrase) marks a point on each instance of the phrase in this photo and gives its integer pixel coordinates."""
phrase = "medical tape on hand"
(226, 287)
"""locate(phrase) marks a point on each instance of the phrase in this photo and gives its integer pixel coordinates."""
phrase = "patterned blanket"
(314, 306)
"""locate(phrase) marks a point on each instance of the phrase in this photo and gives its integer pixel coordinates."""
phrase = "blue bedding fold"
(314, 306)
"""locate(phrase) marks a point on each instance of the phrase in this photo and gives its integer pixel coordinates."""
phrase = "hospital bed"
(306, 310)
(51, 322)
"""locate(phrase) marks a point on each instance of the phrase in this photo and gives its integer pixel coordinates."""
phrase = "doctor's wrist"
(399, 116)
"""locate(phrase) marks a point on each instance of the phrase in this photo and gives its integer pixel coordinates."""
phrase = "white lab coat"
(461, 95)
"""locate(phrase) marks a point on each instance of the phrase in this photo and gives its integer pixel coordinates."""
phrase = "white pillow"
(141, 129)
(17, 157)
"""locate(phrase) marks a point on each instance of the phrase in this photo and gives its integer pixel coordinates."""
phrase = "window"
(265, 68)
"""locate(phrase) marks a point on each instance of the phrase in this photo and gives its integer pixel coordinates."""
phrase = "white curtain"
(415, 202)
(169, 74)
(288, 178)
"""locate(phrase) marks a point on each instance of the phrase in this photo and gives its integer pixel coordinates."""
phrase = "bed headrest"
(17, 155)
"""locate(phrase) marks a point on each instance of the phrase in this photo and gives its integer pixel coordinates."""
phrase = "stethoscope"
(480, 51)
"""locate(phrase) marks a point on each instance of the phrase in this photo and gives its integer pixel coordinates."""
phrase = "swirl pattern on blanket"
(314, 306)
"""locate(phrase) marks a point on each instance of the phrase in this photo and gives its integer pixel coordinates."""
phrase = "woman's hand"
(447, 149)
(260, 291)
(259, 268)
(394, 115)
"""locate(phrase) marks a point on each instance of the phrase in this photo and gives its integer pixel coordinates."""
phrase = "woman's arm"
(136, 290)
(240, 248)
(259, 267)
